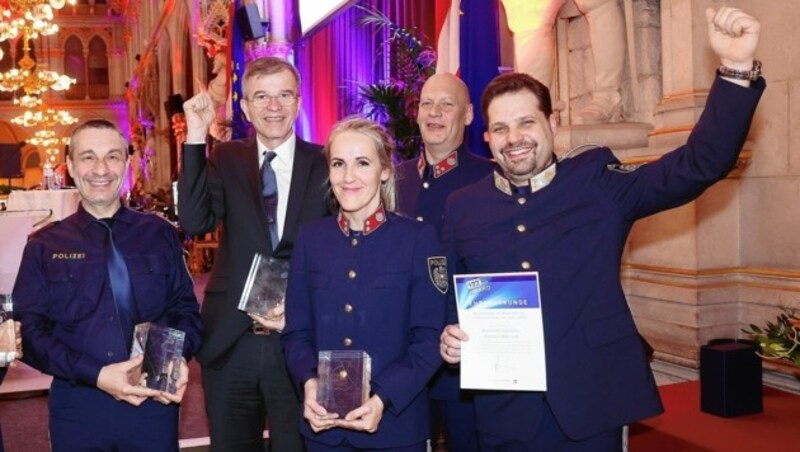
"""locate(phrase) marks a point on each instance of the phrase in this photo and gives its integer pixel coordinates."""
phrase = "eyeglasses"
(262, 99)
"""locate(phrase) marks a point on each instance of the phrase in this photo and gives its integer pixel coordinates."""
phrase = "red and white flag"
(448, 14)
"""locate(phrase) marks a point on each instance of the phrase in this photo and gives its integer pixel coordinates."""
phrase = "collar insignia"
(536, 183)
(370, 224)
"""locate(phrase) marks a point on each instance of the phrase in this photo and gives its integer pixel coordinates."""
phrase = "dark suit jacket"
(573, 231)
(227, 188)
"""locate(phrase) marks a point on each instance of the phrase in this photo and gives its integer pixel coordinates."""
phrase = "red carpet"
(683, 427)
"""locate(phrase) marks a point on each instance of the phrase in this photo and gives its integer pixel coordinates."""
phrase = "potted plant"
(394, 102)
(779, 340)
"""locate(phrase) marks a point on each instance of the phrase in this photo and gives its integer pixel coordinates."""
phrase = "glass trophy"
(162, 348)
(265, 286)
(343, 380)
(8, 337)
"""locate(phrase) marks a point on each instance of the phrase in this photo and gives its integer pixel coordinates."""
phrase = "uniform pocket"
(317, 280)
(390, 280)
(149, 278)
(72, 297)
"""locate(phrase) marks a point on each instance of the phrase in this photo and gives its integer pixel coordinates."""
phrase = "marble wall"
(708, 269)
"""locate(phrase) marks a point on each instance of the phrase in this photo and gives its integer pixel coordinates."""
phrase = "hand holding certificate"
(502, 314)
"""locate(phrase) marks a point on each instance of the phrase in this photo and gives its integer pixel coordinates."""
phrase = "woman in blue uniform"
(364, 280)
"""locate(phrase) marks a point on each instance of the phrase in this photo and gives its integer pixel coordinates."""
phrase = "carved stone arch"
(85, 34)
(75, 65)
(97, 62)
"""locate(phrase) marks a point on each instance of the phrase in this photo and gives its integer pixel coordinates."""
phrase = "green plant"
(779, 340)
(394, 102)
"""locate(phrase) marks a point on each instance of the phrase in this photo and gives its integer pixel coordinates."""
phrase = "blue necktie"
(269, 192)
(120, 286)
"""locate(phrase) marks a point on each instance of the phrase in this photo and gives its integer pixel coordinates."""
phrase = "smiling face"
(273, 121)
(444, 112)
(519, 135)
(98, 161)
(356, 175)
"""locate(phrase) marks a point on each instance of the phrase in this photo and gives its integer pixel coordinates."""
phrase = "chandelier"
(32, 81)
(46, 138)
(46, 118)
(30, 18)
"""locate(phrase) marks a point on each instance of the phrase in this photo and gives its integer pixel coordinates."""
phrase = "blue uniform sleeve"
(298, 337)
(449, 251)
(43, 350)
(201, 194)
(183, 311)
(401, 381)
(709, 155)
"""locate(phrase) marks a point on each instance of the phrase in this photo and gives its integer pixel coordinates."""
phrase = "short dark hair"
(513, 82)
(268, 66)
(96, 124)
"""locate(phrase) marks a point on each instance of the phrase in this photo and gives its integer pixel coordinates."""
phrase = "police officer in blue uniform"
(445, 165)
(366, 280)
(423, 185)
(82, 285)
(569, 221)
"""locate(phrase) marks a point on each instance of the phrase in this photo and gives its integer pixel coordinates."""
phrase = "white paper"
(502, 314)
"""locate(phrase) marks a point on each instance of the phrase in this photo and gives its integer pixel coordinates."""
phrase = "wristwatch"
(752, 74)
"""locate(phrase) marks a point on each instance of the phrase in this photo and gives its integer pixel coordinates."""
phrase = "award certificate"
(502, 314)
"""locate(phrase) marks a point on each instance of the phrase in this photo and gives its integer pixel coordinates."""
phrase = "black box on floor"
(730, 378)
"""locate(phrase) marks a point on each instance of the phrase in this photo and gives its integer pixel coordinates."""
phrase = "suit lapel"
(254, 176)
(301, 174)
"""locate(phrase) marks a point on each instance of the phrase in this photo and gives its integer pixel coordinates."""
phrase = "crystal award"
(343, 380)
(265, 286)
(8, 337)
(162, 348)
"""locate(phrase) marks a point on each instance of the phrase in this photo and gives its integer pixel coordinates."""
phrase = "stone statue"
(533, 21)
(219, 92)
(218, 86)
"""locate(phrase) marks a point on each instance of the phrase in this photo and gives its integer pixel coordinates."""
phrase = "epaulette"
(623, 167)
(44, 228)
(573, 152)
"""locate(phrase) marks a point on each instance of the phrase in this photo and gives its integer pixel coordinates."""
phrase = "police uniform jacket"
(64, 300)
(421, 193)
(226, 188)
(572, 229)
(422, 190)
(372, 292)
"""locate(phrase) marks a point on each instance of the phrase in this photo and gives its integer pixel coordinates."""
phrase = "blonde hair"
(385, 146)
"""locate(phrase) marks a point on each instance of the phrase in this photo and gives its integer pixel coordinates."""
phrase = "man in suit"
(569, 220)
(244, 371)
(423, 185)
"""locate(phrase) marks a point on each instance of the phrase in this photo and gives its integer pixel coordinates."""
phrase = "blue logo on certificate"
(497, 291)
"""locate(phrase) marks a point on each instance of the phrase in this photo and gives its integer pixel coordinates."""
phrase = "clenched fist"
(200, 113)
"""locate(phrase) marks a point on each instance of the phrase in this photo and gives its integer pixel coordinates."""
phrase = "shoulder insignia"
(623, 167)
(437, 270)
(44, 228)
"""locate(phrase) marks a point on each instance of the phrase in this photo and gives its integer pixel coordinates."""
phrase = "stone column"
(679, 269)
